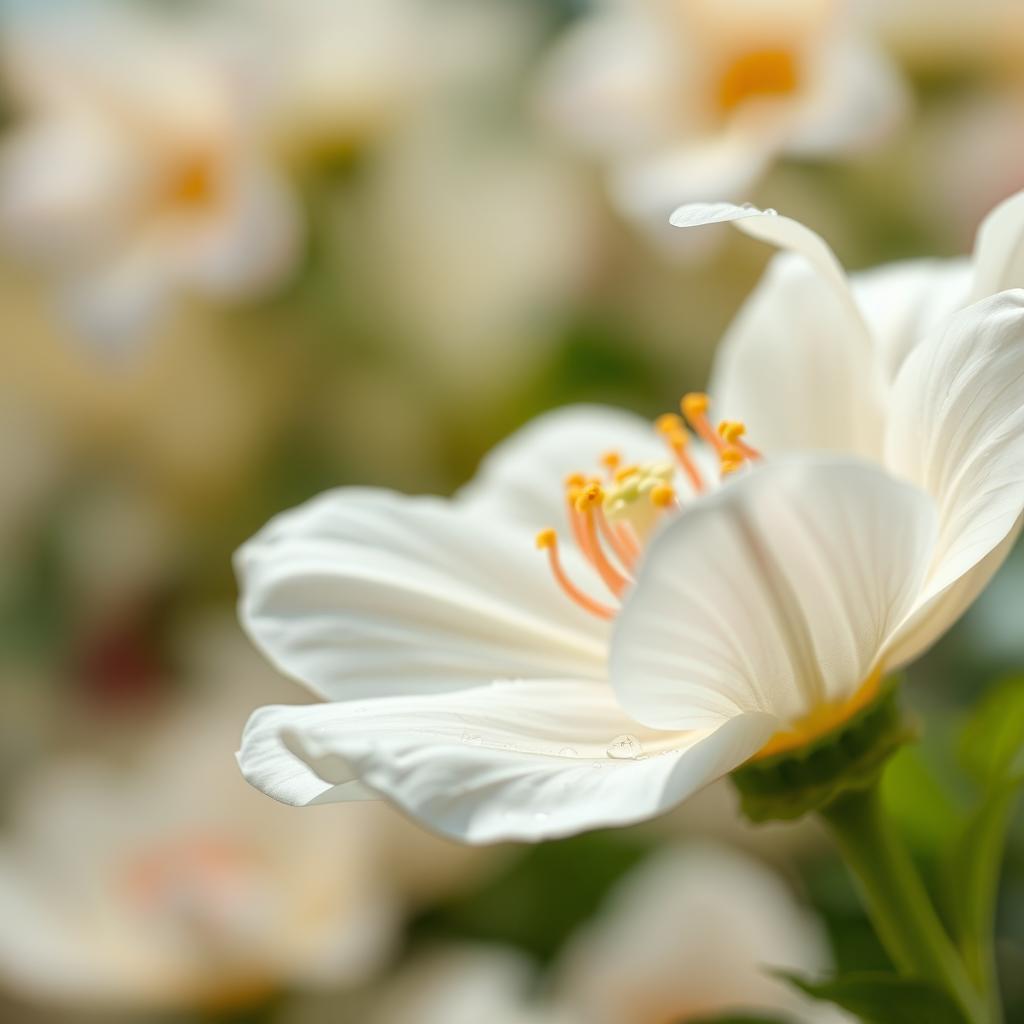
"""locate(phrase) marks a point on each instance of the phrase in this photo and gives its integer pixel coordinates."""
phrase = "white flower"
(135, 169)
(163, 881)
(689, 627)
(683, 99)
(692, 933)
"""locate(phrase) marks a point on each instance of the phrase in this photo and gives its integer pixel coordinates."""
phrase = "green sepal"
(789, 785)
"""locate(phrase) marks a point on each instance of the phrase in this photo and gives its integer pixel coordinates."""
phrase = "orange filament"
(587, 505)
(695, 408)
(671, 427)
(613, 537)
(548, 540)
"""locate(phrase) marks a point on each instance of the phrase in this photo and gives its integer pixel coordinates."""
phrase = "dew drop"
(747, 206)
(472, 738)
(568, 752)
(625, 747)
(770, 212)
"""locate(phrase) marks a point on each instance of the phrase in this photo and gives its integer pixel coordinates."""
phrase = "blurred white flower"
(464, 984)
(136, 166)
(485, 245)
(683, 99)
(158, 881)
(693, 933)
(491, 697)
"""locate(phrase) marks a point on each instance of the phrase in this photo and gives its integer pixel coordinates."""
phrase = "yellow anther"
(611, 461)
(694, 405)
(546, 539)
(731, 430)
(732, 459)
(625, 473)
(678, 438)
(662, 496)
(668, 423)
(589, 495)
(574, 480)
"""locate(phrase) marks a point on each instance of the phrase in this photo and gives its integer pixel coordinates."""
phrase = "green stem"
(896, 899)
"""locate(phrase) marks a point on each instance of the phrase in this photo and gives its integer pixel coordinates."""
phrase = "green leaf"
(992, 746)
(882, 998)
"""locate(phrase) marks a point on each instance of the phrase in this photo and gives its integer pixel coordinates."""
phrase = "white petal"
(957, 431)
(902, 302)
(796, 369)
(776, 594)
(784, 232)
(522, 479)
(999, 249)
(363, 592)
(527, 760)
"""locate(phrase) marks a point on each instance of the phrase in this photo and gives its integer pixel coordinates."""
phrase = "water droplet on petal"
(568, 752)
(625, 747)
(770, 212)
(747, 206)
(472, 738)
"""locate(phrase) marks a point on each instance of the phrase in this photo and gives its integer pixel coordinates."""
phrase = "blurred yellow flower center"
(193, 183)
(757, 74)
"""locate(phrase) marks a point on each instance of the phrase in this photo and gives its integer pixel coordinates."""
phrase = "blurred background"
(252, 250)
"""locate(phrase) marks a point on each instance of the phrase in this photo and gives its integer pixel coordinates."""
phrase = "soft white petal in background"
(522, 479)
(158, 878)
(694, 932)
(362, 593)
(514, 760)
(957, 431)
(774, 595)
(468, 984)
(860, 98)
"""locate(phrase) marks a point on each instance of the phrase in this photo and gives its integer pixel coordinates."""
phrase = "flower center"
(193, 184)
(768, 73)
(612, 515)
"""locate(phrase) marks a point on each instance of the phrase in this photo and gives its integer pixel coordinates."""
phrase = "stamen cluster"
(611, 516)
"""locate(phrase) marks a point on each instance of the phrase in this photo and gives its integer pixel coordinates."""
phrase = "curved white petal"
(796, 369)
(775, 594)
(902, 302)
(783, 232)
(527, 761)
(999, 249)
(956, 429)
(522, 479)
(363, 592)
